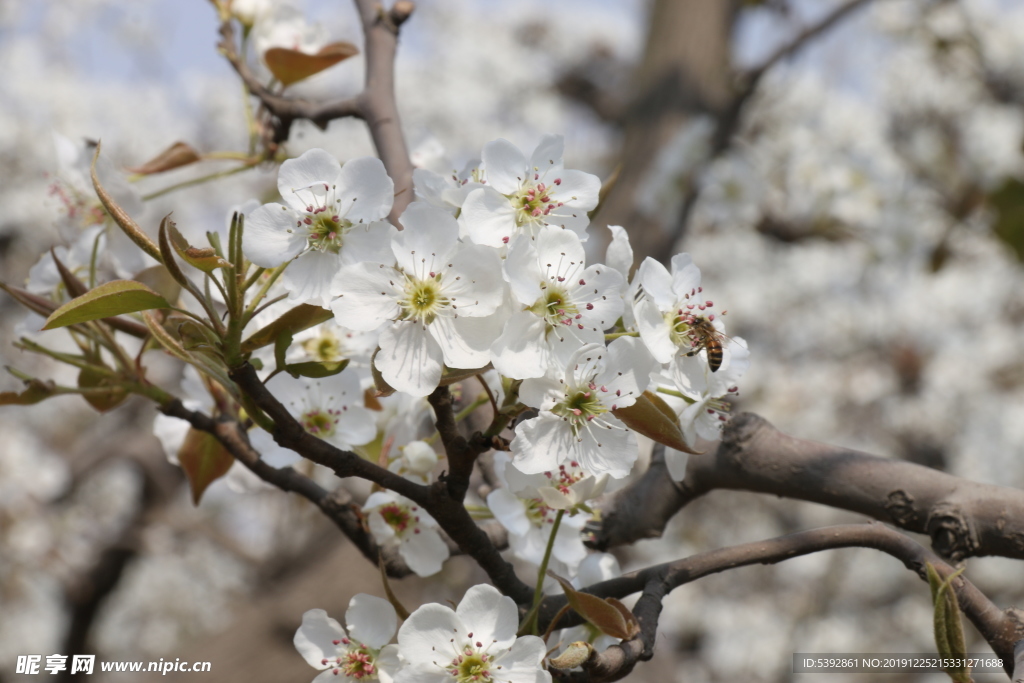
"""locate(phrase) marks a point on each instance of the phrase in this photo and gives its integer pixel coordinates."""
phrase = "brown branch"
(963, 518)
(1000, 628)
(449, 512)
(375, 104)
(345, 515)
(1018, 662)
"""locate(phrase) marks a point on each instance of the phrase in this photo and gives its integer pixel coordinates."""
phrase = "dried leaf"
(292, 66)
(177, 155)
(205, 259)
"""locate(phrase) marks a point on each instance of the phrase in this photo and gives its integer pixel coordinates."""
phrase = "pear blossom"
(668, 306)
(397, 521)
(576, 423)
(44, 278)
(362, 652)
(330, 408)
(436, 305)
(529, 522)
(448, 191)
(705, 417)
(281, 25)
(567, 488)
(563, 304)
(523, 195)
(474, 643)
(331, 217)
(330, 341)
(415, 461)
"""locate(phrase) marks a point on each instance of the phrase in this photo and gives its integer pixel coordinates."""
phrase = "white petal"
(628, 369)
(388, 663)
(371, 620)
(577, 190)
(309, 279)
(479, 288)
(424, 552)
(548, 155)
(314, 639)
(356, 426)
(522, 351)
(370, 242)
(310, 172)
(654, 331)
(523, 271)
(489, 615)
(506, 166)
(541, 392)
(603, 291)
(676, 461)
(620, 253)
(598, 567)
(522, 664)
(383, 533)
(541, 443)
(409, 358)
(272, 237)
(488, 217)
(429, 237)
(657, 283)
(412, 674)
(607, 451)
(509, 510)
(465, 342)
(368, 294)
(425, 637)
(365, 190)
(685, 275)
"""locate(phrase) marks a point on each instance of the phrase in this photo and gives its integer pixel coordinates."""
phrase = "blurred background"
(857, 205)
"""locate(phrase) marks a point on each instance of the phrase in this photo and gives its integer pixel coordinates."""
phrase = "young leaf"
(121, 217)
(300, 318)
(292, 66)
(106, 300)
(177, 155)
(35, 391)
(45, 307)
(653, 418)
(604, 616)
(113, 396)
(204, 460)
(205, 260)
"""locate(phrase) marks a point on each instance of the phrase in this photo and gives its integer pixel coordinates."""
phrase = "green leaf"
(300, 318)
(1008, 202)
(604, 616)
(35, 391)
(109, 299)
(653, 418)
(106, 394)
(204, 461)
(281, 345)
(316, 369)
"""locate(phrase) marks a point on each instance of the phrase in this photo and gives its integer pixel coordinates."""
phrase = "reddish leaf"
(204, 461)
(604, 616)
(177, 155)
(292, 66)
(653, 418)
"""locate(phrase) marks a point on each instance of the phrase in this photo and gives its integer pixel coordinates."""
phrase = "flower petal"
(425, 637)
(367, 296)
(429, 237)
(365, 190)
(371, 620)
(522, 351)
(506, 166)
(548, 155)
(272, 237)
(314, 639)
(409, 358)
(488, 217)
(541, 443)
(509, 510)
(466, 342)
(311, 172)
(489, 615)
(424, 552)
(309, 279)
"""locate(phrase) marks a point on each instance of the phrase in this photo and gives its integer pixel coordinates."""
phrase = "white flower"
(475, 643)
(361, 653)
(284, 26)
(567, 488)
(397, 521)
(694, 379)
(439, 301)
(563, 304)
(44, 278)
(330, 341)
(529, 522)
(575, 423)
(448, 191)
(332, 217)
(250, 11)
(415, 461)
(669, 306)
(522, 196)
(330, 408)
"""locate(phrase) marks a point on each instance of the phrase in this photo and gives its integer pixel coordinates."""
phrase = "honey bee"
(705, 336)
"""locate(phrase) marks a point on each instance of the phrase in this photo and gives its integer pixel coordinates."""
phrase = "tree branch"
(1002, 629)
(963, 518)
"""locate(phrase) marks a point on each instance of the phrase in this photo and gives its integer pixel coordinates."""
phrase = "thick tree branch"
(1002, 629)
(963, 518)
